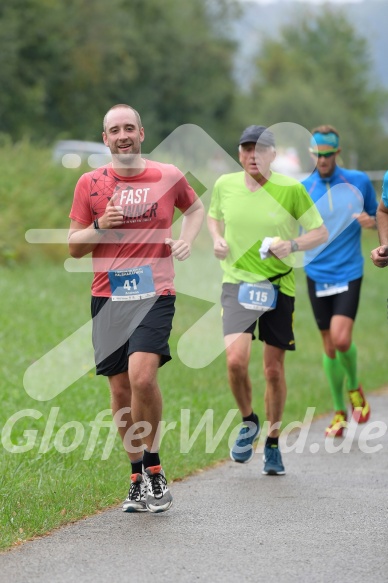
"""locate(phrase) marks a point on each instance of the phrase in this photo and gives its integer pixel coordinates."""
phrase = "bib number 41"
(130, 285)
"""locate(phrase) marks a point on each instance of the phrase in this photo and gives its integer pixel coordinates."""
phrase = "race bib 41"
(131, 284)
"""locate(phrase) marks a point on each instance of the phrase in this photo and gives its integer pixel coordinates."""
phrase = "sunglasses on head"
(322, 154)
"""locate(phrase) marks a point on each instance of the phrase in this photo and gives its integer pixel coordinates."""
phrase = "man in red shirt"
(122, 213)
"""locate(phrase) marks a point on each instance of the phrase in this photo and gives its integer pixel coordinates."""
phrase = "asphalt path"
(326, 520)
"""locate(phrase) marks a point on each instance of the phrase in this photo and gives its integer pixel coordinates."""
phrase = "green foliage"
(65, 63)
(36, 194)
(318, 72)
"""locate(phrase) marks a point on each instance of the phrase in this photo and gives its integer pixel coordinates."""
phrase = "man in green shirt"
(254, 219)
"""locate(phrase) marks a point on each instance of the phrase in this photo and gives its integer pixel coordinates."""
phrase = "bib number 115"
(258, 296)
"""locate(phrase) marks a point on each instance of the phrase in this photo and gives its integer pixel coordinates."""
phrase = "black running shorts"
(343, 304)
(275, 327)
(121, 328)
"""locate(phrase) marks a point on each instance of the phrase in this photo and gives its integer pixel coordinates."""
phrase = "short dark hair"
(123, 105)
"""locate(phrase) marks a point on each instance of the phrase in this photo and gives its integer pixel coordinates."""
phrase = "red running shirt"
(148, 200)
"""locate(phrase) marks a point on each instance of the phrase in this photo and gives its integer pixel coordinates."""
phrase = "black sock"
(137, 466)
(151, 459)
(272, 442)
(253, 418)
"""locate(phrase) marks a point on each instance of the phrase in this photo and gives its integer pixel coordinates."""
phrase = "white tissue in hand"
(266, 245)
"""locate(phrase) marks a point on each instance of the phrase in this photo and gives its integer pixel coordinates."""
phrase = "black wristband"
(294, 246)
(97, 226)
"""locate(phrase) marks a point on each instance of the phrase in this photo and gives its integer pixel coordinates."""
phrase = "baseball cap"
(259, 134)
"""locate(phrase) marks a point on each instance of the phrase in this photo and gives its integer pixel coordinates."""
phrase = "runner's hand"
(280, 248)
(365, 220)
(379, 256)
(179, 248)
(221, 248)
(113, 216)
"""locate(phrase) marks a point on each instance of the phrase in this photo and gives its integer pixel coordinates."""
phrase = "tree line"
(63, 63)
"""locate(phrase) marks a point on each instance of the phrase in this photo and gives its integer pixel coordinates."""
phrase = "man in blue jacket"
(347, 203)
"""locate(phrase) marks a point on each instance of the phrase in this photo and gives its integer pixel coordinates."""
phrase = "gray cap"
(259, 134)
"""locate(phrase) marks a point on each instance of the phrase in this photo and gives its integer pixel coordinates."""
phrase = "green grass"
(42, 304)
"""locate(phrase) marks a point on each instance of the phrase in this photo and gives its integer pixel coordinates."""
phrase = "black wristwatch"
(294, 246)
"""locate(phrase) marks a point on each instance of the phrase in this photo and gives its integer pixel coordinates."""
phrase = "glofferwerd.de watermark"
(99, 435)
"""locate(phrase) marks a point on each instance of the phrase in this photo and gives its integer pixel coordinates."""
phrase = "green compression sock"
(335, 375)
(348, 360)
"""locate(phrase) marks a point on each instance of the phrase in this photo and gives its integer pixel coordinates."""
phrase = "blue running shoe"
(273, 464)
(242, 450)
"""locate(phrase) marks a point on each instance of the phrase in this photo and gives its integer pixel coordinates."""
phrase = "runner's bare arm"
(191, 225)
(379, 255)
(216, 230)
(306, 241)
(82, 239)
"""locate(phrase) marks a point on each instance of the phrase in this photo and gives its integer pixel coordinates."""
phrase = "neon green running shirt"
(277, 209)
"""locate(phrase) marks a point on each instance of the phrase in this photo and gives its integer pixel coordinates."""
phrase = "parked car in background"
(72, 153)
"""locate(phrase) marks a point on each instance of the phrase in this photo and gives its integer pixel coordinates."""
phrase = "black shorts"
(275, 327)
(343, 304)
(121, 328)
